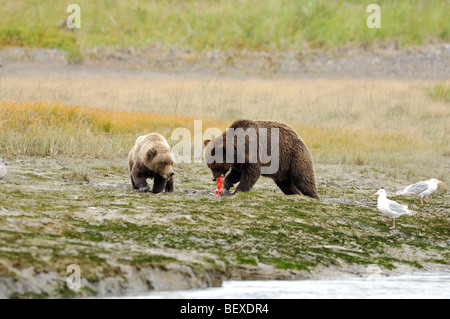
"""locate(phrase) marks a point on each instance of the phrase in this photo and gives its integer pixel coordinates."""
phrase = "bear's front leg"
(159, 184)
(232, 178)
(132, 182)
(250, 174)
(169, 185)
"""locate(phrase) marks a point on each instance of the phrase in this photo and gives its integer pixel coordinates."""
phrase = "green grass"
(31, 295)
(226, 25)
(143, 260)
(440, 92)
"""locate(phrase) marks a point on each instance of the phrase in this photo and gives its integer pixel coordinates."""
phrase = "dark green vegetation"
(233, 25)
(98, 222)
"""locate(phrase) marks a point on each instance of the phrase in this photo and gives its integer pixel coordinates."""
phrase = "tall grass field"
(50, 129)
(271, 25)
(398, 124)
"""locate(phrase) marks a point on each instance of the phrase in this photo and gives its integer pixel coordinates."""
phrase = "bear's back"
(151, 138)
(287, 134)
(144, 143)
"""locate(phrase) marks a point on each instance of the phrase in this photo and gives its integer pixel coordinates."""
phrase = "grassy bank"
(227, 25)
(60, 211)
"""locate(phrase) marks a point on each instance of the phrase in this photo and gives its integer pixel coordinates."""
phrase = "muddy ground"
(60, 211)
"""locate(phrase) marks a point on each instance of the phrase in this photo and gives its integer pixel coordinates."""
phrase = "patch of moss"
(385, 262)
(22, 260)
(37, 177)
(89, 291)
(65, 292)
(83, 235)
(242, 259)
(29, 295)
(286, 263)
(144, 260)
(79, 177)
(438, 261)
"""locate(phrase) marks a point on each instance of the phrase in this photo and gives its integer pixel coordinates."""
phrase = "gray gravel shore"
(426, 62)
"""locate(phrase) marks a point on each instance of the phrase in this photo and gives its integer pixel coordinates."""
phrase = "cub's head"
(160, 163)
(214, 156)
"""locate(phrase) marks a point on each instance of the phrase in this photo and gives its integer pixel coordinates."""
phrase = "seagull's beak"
(440, 182)
(376, 193)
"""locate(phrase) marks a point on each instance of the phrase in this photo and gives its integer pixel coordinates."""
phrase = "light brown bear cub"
(151, 157)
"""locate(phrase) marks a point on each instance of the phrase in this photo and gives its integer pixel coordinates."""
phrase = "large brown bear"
(151, 157)
(294, 172)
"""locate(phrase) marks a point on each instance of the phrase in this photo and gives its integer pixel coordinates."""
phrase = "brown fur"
(151, 157)
(295, 174)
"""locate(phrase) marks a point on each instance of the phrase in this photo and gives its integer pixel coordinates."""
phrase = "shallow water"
(406, 286)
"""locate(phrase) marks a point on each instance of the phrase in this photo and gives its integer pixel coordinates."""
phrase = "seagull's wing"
(398, 208)
(417, 188)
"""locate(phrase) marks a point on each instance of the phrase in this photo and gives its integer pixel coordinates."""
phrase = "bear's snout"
(170, 174)
(167, 175)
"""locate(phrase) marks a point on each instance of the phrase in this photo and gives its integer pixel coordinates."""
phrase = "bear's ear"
(150, 154)
(219, 149)
(206, 142)
(223, 148)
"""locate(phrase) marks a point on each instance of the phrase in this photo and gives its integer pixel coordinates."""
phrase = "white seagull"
(3, 170)
(421, 189)
(391, 208)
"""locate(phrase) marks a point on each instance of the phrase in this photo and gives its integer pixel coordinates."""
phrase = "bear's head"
(160, 162)
(215, 156)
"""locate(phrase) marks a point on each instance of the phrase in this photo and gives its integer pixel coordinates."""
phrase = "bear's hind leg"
(159, 184)
(140, 182)
(307, 188)
(288, 187)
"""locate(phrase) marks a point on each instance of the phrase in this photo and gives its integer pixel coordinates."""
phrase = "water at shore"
(405, 286)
